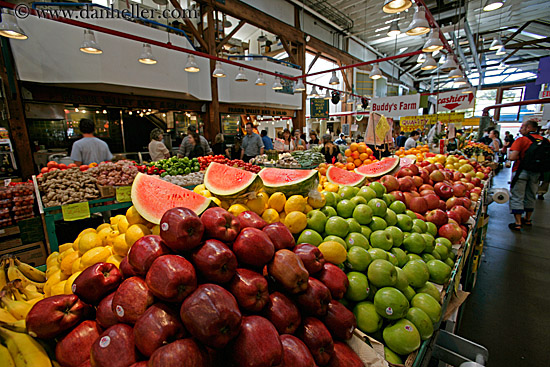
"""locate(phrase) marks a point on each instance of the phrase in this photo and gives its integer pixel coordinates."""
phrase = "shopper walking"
(157, 149)
(411, 141)
(252, 144)
(197, 150)
(89, 149)
(186, 146)
(400, 140)
(268, 144)
(531, 156)
(219, 147)
(330, 150)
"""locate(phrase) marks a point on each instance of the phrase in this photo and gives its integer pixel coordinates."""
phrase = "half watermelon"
(344, 177)
(377, 169)
(152, 197)
(229, 182)
(289, 181)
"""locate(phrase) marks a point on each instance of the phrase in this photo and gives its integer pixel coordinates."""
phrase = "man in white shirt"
(411, 141)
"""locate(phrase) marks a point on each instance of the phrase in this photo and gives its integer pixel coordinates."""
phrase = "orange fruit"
(369, 151)
(355, 155)
(362, 148)
(353, 147)
(349, 159)
(357, 162)
(350, 166)
(347, 153)
(368, 161)
(363, 156)
(323, 171)
(323, 165)
(340, 165)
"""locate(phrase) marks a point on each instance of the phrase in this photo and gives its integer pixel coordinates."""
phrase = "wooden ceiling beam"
(226, 39)
(288, 48)
(191, 26)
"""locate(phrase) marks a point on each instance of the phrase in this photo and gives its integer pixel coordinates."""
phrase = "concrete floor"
(508, 311)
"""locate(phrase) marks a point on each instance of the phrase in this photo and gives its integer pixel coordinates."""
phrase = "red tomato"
(52, 164)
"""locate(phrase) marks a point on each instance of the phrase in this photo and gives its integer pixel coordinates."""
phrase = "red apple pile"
(209, 291)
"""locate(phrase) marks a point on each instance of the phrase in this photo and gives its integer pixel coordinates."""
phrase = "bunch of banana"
(21, 350)
(29, 275)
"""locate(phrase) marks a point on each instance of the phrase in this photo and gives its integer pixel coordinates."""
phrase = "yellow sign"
(411, 123)
(382, 127)
(123, 194)
(75, 211)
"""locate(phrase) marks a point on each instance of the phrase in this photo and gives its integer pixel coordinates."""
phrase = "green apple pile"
(394, 260)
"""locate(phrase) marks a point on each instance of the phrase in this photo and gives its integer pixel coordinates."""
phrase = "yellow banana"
(19, 326)
(5, 316)
(28, 291)
(18, 309)
(14, 273)
(30, 271)
(5, 357)
(3, 278)
(25, 351)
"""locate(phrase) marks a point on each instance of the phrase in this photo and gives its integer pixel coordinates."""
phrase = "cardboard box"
(10, 243)
(106, 191)
(9, 231)
(33, 254)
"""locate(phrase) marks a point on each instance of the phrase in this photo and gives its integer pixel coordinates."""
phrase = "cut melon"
(406, 160)
(152, 197)
(229, 182)
(289, 181)
(344, 177)
(378, 169)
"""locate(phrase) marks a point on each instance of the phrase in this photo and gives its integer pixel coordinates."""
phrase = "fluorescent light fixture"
(277, 84)
(89, 45)
(260, 80)
(491, 5)
(455, 73)
(334, 79)
(429, 64)
(375, 73)
(218, 71)
(501, 51)
(147, 55)
(241, 76)
(433, 43)
(299, 87)
(496, 44)
(394, 30)
(191, 66)
(9, 27)
(419, 24)
(396, 6)
(448, 65)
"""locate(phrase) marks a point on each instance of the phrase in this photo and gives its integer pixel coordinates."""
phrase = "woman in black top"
(331, 152)
(236, 149)
(197, 150)
(314, 138)
(219, 147)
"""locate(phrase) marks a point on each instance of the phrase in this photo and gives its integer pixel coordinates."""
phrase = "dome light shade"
(496, 44)
(89, 45)
(241, 76)
(9, 27)
(421, 58)
(218, 71)
(501, 51)
(299, 87)
(468, 89)
(260, 80)
(429, 64)
(375, 73)
(191, 65)
(147, 57)
(396, 6)
(493, 5)
(455, 73)
(334, 79)
(433, 43)
(460, 81)
(394, 30)
(448, 65)
(277, 84)
(442, 59)
(327, 95)
(419, 24)
(314, 92)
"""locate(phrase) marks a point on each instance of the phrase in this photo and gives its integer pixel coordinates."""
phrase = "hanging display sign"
(544, 94)
(379, 130)
(396, 106)
(318, 107)
(411, 123)
(455, 100)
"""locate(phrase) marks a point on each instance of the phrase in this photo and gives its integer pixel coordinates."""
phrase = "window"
(484, 98)
(508, 96)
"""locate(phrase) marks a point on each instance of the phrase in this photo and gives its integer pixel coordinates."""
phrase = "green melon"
(229, 182)
(289, 181)
(344, 177)
(378, 169)
(152, 197)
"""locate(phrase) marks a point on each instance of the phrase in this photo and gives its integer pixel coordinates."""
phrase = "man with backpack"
(531, 156)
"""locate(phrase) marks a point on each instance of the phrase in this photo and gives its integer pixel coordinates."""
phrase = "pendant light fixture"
(262, 38)
(501, 51)
(89, 45)
(327, 95)
(419, 24)
(496, 44)
(218, 71)
(277, 84)
(147, 57)
(468, 89)
(449, 65)
(191, 66)
(314, 93)
(491, 5)
(9, 27)
(334, 79)
(421, 58)
(460, 81)
(433, 43)
(375, 73)
(299, 86)
(455, 73)
(396, 6)
(429, 64)
(442, 59)
(241, 76)
(260, 80)
(394, 30)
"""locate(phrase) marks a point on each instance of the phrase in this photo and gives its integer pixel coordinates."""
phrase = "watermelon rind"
(228, 182)
(152, 197)
(380, 168)
(344, 177)
(287, 184)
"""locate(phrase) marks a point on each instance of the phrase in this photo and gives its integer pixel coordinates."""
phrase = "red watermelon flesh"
(344, 177)
(380, 168)
(152, 197)
(229, 182)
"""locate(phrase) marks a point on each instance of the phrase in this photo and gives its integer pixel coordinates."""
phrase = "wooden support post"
(212, 126)
(344, 76)
(288, 48)
(16, 113)
(300, 120)
(228, 37)
(190, 24)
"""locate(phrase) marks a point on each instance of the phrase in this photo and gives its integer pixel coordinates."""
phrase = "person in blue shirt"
(89, 149)
(268, 144)
(400, 140)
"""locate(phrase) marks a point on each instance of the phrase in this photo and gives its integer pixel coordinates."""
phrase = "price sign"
(123, 194)
(75, 211)
(318, 107)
